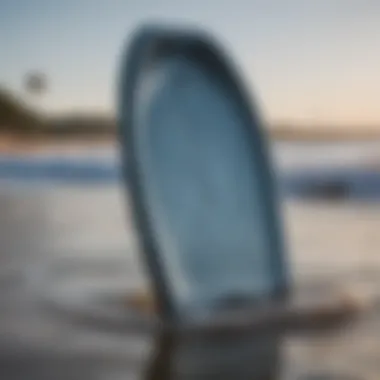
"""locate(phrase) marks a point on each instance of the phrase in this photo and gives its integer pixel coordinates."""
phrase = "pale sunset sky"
(305, 61)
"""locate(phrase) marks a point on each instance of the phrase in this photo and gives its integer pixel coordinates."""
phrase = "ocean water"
(304, 170)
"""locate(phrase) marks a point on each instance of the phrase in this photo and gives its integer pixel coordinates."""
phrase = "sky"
(308, 62)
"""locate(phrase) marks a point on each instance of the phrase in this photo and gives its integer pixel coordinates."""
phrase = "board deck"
(199, 177)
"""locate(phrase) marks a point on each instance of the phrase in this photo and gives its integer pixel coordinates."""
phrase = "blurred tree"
(35, 83)
(15, 116)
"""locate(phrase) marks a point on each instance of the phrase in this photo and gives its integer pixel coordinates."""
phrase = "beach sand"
(331, 246)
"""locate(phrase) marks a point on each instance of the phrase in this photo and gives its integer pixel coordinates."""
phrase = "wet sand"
(329, 245)
(11, 144)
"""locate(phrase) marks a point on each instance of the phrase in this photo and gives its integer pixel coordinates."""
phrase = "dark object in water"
(329, 190)
(332, 183)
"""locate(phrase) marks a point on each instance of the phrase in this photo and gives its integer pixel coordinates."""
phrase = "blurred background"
(313, 68)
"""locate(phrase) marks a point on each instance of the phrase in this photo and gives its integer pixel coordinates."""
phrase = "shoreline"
(19, 144)
(11, 144)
